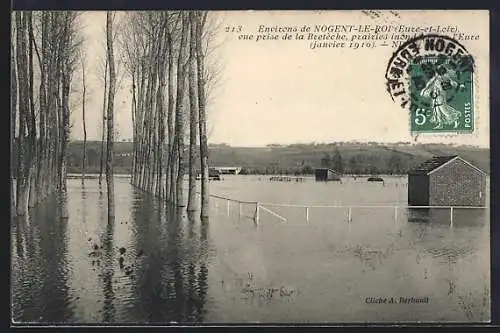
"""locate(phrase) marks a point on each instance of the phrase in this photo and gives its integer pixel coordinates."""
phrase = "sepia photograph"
(176, 167)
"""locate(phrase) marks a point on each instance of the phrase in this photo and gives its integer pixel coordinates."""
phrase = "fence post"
(451, 216)
(307, 214)
(256, 216)
(349, 215)
(239, 209)
(227, 207)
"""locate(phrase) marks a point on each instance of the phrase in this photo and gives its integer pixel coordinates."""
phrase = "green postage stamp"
(433, 77)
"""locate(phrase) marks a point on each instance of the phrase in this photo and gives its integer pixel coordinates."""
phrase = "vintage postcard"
(201, 167)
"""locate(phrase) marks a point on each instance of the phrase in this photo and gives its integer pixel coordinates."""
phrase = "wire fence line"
(266, 207)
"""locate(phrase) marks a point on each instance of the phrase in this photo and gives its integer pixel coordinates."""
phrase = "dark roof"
(431, 164)
(325, 169)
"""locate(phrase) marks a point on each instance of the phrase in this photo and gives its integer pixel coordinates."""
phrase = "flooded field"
(313, 267)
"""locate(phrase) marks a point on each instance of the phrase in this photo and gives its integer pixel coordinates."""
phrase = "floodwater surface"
(295, 265)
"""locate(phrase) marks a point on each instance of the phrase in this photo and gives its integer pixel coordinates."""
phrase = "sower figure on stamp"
(435, 89)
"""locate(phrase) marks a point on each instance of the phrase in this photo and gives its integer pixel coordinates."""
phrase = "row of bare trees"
(44, 55)
(164, 54)
(165, 58)
(107, 113)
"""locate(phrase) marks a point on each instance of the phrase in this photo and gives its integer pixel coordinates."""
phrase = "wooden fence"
(265, 206)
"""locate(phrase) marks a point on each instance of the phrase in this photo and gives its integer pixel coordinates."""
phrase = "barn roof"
(436, 162)
(431, 164)
(325, 169)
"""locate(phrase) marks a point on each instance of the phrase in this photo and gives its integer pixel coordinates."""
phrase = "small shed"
(446, 181)
(213, 174)
(325, 174)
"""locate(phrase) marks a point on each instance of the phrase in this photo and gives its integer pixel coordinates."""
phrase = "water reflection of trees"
(42, 294)
(19, 266)
(203, 270)
(172, 282)
(107, 271)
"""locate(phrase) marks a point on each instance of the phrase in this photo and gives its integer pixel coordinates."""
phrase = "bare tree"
(147, 43)
(70, 49)
(32, 117)
(44, 126)
(160, 107)
(171, 165)
(41, 177)
(179, 114)
(112, 82)
(160, 62)
(22, 181)
(193, 115)
(129, 54)
(84, 123)
(200, 22)
(135, 45)
(103, 70)
(13, 109)
(101, 162)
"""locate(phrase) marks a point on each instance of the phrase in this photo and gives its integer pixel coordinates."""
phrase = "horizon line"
(270, 145)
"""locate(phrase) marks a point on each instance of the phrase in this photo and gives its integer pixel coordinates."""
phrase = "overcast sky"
(283, 92)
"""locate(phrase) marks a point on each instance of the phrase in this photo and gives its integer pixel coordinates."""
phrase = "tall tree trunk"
(193, 114)
(154, 121)
(42, 96)
(160, 109)
(52, 103)
(21, 193)
(140, 120)
(180, 109)
(65, 110)
(111, 97)
(63, 103)
(146, 113)
(84, 122)
(13, 109)
(50, 106)
(59, 129)
(66, 77)
(134, 132)
(32, 171)
(161, 113)
(147, 128)
(101, 163)
(202, 116)
(170, 119)
(65, 118)
(151, 113)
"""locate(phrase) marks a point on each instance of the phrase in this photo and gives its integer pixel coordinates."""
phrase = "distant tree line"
(299, 162)
(360, 163)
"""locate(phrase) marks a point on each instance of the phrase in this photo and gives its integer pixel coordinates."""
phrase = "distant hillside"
(347, 157)
(355, 157)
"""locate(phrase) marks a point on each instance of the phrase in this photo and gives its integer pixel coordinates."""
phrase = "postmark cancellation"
(432, 76)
